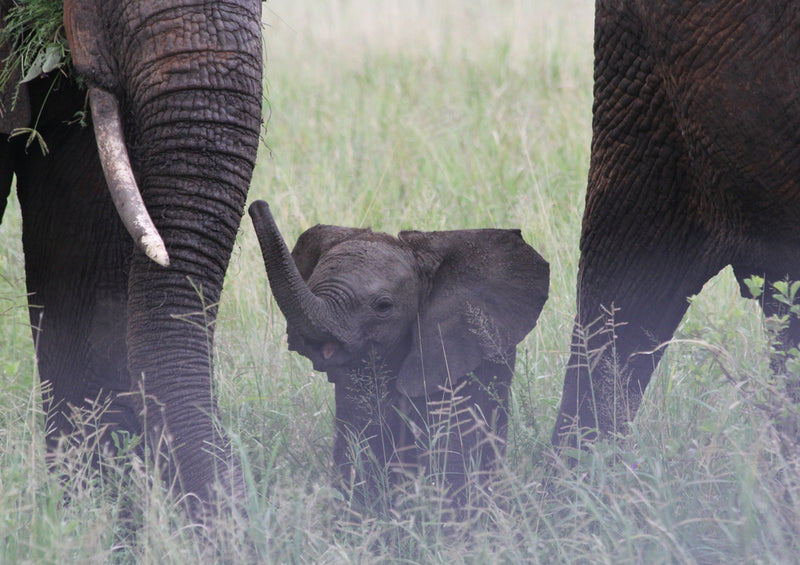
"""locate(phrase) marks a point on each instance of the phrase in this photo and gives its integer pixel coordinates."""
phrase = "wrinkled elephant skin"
(108, 321)
(418, 333)
(695, 165)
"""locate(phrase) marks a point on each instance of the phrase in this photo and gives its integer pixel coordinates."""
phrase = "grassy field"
(431, 115)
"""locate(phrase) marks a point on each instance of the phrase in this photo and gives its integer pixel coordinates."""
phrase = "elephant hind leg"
(628, 310)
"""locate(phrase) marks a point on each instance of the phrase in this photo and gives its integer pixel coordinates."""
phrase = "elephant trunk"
(192, 135)
(304, 311)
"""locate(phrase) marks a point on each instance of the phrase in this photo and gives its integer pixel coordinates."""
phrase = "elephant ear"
(15, 108)
(487, 289)
(314, 242)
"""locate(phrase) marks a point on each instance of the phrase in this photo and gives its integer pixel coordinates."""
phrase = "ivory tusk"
(119, 176)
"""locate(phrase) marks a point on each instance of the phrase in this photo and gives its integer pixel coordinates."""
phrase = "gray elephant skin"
(184, 81)
(695, 165)
(418, 333)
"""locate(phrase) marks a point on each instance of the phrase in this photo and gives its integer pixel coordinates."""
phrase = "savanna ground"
(430, 115)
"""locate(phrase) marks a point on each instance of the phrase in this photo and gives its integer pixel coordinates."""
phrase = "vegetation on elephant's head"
(34, 29)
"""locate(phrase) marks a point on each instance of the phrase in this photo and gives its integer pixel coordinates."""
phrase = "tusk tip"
(153, 247)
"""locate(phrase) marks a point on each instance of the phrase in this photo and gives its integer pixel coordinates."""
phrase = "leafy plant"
(32, 135)
(34, 31)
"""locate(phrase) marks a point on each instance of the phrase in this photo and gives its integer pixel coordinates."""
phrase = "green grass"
(430, 115)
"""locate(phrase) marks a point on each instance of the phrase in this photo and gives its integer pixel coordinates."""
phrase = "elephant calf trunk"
(302, 309)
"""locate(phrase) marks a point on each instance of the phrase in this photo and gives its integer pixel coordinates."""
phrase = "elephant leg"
(355, 460)
(467, 426)
(619, 338)
(76, 262)
(647, 240)
(484, 439)
(373, 445)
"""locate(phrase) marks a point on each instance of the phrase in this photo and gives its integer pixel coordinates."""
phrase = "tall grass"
(429, 115)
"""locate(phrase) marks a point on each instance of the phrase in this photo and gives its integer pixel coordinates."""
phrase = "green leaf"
(756, 285)
(33, 135)
(50, 58)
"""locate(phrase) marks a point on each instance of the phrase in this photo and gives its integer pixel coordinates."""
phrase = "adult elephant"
(695, 165)
(178, 83)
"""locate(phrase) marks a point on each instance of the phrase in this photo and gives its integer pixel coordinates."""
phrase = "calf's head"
(429, 306)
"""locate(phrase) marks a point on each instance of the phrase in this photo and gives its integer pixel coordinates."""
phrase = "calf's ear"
(487, 289)
(314, 242)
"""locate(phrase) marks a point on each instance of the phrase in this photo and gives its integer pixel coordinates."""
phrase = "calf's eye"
(384, 306)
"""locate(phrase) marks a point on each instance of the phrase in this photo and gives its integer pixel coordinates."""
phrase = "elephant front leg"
(76, 261)
(467, 428)
(374, 445)
(360, 457)
(488, 391)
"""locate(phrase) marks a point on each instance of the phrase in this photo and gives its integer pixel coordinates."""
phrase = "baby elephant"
(418, 334)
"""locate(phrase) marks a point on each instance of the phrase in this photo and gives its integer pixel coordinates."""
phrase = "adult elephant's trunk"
(304, 311)
(187, 76)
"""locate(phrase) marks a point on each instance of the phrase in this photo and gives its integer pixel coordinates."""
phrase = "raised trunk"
(303, 310)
